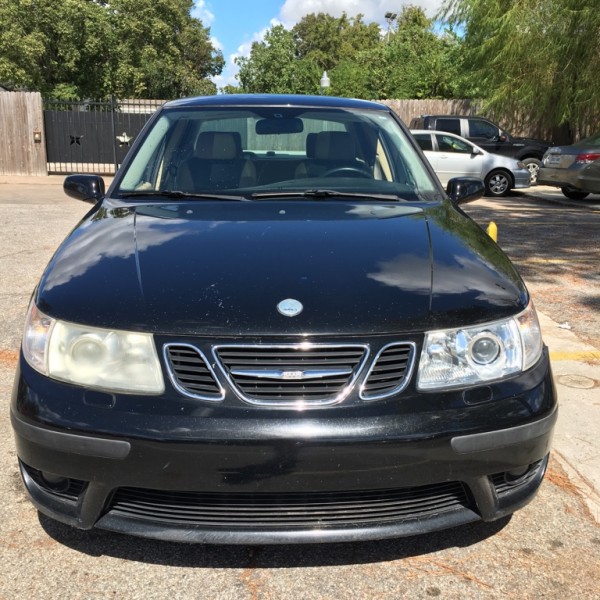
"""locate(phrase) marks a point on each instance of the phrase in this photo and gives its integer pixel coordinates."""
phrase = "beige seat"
(218, 163)
(332, 150)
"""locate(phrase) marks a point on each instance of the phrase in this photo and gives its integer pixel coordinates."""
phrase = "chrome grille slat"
(190, 372)
(294, 509)
(390, 371)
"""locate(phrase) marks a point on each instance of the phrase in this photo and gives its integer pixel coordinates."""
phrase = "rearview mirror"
(279, 125)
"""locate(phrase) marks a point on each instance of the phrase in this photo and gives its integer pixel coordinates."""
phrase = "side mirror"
(465, 189)
(475, 151)
(503, 137)
(89, 188)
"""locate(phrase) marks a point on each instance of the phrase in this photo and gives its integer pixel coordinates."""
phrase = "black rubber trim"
(69, 442)
(490, 440)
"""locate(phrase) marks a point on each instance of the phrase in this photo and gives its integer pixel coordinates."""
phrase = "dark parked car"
(488, 136)
(575, 168)
(275, 326)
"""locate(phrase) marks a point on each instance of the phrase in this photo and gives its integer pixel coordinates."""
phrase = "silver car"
(452, 156)
(575, 168)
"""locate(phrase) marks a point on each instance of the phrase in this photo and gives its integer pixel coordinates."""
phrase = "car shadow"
(103, 543)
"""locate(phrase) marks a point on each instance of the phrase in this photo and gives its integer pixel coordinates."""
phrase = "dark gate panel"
(92, 137)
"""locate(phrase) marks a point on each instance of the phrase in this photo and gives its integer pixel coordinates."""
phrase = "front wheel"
(498, 183)
(533, 166)
(573, 194)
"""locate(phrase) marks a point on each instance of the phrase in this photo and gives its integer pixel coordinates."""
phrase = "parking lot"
(549, 549)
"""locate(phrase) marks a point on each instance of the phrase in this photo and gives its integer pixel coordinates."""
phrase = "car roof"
(275, 100)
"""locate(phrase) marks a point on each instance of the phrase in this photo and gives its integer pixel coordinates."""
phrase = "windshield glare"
(253, 151)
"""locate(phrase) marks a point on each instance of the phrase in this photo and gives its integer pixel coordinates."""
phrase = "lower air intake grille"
(289, 510)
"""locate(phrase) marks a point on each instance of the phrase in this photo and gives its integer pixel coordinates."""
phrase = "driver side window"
(483, 129)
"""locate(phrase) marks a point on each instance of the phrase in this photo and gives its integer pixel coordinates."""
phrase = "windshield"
(266, 152)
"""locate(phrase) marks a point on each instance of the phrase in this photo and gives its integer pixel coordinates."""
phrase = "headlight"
(104, 359)
(473, 355)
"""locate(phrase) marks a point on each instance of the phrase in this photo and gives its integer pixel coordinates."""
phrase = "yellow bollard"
(492, 231)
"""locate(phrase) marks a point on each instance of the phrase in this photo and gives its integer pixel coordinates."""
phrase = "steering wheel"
(340, 170)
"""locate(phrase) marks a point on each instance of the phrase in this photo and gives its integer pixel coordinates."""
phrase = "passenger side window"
(449, 125)
(448, 143)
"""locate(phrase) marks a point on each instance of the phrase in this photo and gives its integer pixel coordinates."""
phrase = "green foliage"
(410, 61)
(533, 58)
(90, 48)
(419, 62)
(271, 67)
(326, 40)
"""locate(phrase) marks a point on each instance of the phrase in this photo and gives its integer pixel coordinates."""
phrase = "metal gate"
(93, 136)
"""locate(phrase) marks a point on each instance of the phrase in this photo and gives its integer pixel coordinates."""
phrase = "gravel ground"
(557, 250)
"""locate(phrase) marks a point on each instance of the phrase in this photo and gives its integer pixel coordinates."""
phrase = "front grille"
(390, 371)
(299, 510)
(288, 375)
(190, 373)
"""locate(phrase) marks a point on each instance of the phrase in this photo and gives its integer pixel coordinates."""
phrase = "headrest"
(219, 145)
(335, 146)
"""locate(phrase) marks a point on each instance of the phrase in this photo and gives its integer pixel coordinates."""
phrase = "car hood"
(221, 269)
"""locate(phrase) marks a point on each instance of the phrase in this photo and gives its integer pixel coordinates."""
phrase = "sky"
(235, 24)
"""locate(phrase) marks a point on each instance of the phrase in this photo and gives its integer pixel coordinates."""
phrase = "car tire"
(498, 183)
(533, 166)
(574, 194)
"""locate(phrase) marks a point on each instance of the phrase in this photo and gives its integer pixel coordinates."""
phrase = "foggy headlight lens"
(474, 355)
(96, 358)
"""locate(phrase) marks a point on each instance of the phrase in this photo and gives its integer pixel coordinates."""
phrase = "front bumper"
(284, 478)
(522, 179)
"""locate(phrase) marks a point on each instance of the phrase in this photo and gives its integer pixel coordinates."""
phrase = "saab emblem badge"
(290, 307)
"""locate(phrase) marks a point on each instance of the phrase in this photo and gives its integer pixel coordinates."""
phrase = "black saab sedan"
(277, 327)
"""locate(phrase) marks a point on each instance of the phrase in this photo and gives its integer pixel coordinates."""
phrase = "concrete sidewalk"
(576, 445)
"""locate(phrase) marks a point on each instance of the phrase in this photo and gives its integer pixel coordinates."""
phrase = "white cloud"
(200, 11)
(217, 44)
(373, 10)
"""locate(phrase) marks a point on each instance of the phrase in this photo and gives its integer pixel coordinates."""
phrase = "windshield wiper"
(185, 195)
(325, 194)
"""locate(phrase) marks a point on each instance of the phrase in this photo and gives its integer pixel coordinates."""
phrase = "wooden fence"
(22, 140)
(22, 123)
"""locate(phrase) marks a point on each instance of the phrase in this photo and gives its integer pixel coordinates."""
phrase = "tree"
(92, 48)
(533, 60)
(412, 62)
(327, 40)
(293, 61)
(421, 63)
(271, 66)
